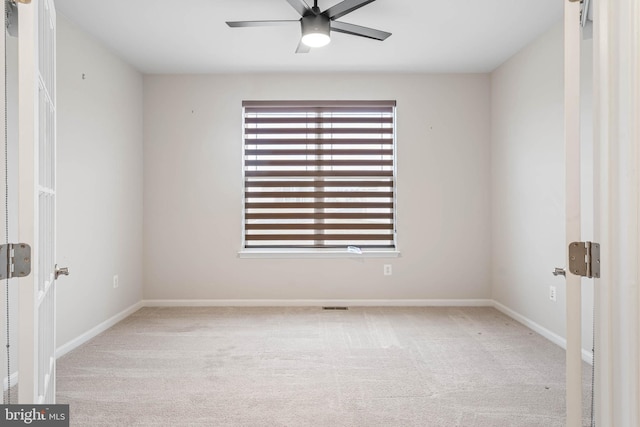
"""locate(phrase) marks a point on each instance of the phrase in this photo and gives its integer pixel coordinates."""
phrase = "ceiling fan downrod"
(316, 9)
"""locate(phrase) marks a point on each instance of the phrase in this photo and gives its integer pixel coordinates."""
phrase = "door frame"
(27, 203)
(572, 47)
(9, 217)
(36, 204)
(617, 201)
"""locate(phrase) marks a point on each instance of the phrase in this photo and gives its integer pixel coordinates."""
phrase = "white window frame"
(334, 251)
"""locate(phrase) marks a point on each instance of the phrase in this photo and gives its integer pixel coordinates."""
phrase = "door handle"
(559, 272)
(61, 271)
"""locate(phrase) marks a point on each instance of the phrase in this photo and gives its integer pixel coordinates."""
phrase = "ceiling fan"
(317, 26)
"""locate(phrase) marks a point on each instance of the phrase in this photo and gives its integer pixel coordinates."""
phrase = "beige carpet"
(309, 367)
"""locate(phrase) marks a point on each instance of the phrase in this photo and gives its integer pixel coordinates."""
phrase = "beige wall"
(528, 182)
(193, 190)
(99, 183)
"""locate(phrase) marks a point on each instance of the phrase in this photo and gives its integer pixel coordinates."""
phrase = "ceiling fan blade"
(357, 30)
(301, 6)
(347, 6)
(240, 24)
(303, 48)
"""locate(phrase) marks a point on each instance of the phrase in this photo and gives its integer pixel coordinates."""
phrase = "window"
(319, 176)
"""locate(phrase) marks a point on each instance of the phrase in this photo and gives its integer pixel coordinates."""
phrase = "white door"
(37, 199)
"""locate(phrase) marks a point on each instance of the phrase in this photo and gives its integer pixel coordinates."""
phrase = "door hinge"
(584, 259)
(15, 260)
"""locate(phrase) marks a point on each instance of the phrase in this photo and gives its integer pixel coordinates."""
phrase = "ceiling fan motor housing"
(315, 24)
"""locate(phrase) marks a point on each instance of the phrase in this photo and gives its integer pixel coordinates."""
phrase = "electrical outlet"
(552, 293)
(387, 270)
(115, 281)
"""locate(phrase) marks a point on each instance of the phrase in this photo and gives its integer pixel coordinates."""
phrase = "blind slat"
(298, 237)
(323, 183)
(318, 162)
(318, 205)
(317, 120)
(319, 226)
(316, 194)
(318, 141)
(320, 173)
(319, 153)
(318, 215)
(317, 131)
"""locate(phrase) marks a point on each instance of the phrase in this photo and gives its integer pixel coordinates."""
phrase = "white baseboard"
(78, 341)
(319, 303)
(14, 381)
(551, 336)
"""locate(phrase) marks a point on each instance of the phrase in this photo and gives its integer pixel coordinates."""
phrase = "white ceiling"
(190, 36)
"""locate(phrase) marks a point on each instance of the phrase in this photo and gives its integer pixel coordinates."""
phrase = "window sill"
(289, 254)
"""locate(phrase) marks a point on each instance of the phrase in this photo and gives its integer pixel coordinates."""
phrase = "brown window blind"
(319, 174)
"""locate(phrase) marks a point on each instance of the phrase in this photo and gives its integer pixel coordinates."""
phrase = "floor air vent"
(335, 308)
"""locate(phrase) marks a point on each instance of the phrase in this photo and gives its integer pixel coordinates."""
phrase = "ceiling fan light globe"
(316, 39)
